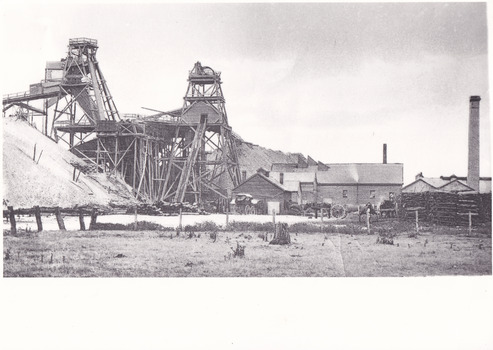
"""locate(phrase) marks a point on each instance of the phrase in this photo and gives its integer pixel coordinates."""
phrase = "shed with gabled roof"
(266, 189)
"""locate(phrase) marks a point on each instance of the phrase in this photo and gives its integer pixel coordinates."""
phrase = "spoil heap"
(252, 157)
(37, 171)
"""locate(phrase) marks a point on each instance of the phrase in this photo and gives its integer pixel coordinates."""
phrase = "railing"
(62, 123)
(83, 41)
(17, 94)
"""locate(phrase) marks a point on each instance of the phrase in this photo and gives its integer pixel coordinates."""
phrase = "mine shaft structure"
(188, 154)
(185, 155)
(74, 96)
(84, 102)
(203, 161)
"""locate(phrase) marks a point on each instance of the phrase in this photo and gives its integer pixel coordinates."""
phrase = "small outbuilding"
(265, 189)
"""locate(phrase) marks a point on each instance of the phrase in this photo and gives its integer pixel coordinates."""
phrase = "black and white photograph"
(262, 146)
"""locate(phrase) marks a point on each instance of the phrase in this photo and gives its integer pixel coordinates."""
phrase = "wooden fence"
(10, 214)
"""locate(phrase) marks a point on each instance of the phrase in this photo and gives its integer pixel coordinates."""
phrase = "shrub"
(239, 226)
(148, 226)
(202, 227)
(99, 226)
(141, 226)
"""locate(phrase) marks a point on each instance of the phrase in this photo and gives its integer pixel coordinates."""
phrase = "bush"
(239, 226)
(141, 226)
(202, 227)
(99, 226)
(148, 226)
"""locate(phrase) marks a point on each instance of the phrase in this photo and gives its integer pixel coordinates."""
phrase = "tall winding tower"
(84, 99)
(203, 162)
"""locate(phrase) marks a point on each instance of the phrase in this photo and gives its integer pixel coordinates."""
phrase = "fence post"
(417, 221)
(59, 219)
(81, 220)
(94, 217)
(368, 215)
(13, 228)
(470, 223)
(37, 213)
(227, 218)
(179, 224)
(135, 218)
(274, 216)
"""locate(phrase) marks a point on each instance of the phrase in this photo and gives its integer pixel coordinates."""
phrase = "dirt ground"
(436, 252)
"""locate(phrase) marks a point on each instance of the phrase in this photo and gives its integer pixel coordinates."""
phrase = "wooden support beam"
(81, 220)
(37, 213)
(13, 228)
(94, 217)
(59, 219)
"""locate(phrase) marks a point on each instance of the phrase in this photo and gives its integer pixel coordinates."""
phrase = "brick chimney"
(384, 153)
(473, 160)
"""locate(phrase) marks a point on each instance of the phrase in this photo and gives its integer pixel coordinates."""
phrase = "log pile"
(485, 207)
(443, 208)
(165, 208)
(409, 201)
(467, 203)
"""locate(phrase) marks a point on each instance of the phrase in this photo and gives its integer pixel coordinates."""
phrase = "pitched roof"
(362, 173)
(456, 185)
(268, 179)
(299, 177)
(311, 161)
(440, 183)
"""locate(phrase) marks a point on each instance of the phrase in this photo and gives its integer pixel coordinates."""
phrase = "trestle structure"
(184, 155)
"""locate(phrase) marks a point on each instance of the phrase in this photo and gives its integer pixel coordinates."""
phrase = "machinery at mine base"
(336, 211)
(244, 203)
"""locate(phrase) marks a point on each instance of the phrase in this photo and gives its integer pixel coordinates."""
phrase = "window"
(281, 178)
(344, 193)
(372, 193)
(243, 175)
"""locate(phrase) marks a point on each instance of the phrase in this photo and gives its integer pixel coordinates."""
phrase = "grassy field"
(347, 251)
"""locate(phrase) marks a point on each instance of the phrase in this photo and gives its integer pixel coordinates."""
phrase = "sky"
(332, 81)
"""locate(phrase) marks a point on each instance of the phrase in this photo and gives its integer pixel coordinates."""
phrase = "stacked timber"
(164, 208)
(485, 207)
(468, 203)
(443, 208)
(409, 203)
(174, 208)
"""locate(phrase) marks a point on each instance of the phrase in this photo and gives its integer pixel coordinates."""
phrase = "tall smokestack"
(384, 153)
(473, 160)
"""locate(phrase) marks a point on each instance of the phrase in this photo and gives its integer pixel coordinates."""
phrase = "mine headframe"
(203, 162)
(74, 95)
(84, 99)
